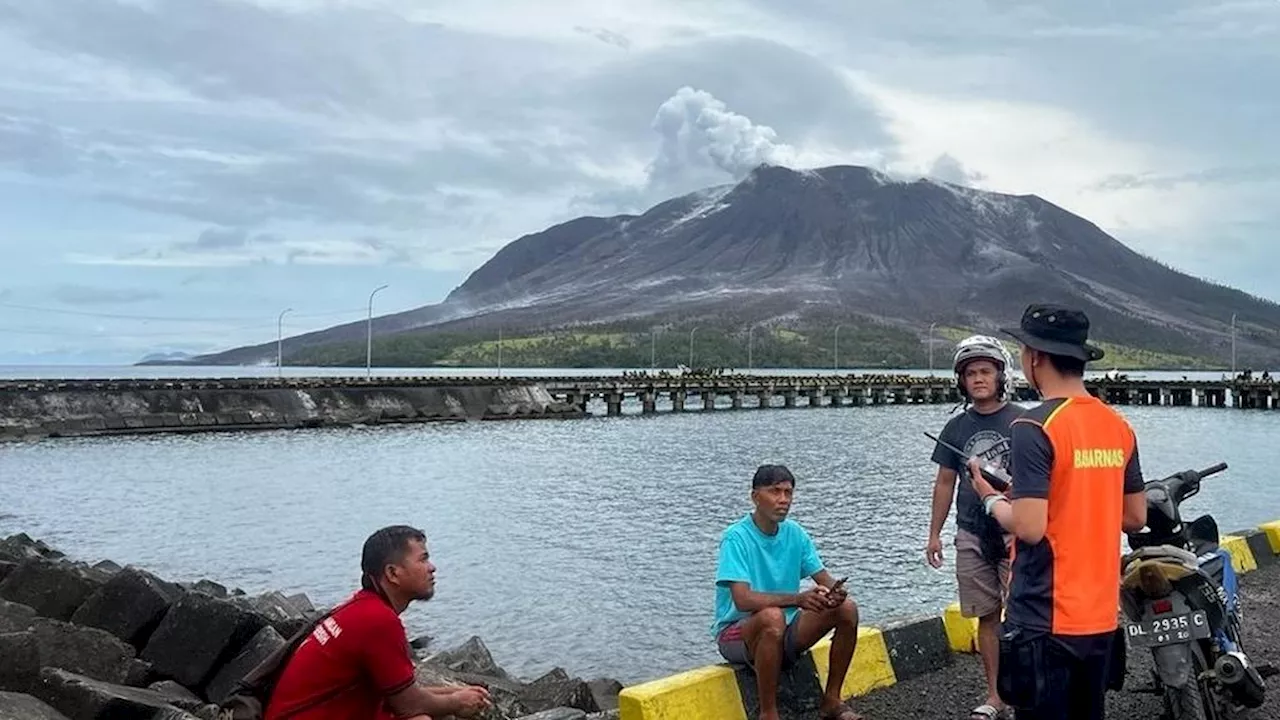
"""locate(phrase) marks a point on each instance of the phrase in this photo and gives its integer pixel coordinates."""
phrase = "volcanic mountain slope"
(847, 241)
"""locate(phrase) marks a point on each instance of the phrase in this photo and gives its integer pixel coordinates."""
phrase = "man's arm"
(1135, 495)
(1032, 463)
(749, 601)
(384, 655)
(732, 570)
(439, 701)
(944, 489)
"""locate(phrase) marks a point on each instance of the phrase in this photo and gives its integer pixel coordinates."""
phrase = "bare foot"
(837, 711)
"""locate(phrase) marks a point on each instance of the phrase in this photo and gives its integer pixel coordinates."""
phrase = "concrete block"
(17, 706)
(86, 651)
(130, 605)
(265, 642)
(705, 693)
(1241, 555)
(197, 634)
(917, 648)
(871, 667)
(20, 669)
(82, 698)
(52, 588)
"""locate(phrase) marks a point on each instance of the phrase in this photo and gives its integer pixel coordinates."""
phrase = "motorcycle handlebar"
(1212, 470)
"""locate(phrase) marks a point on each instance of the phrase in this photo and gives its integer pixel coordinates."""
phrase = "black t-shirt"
(986, 437)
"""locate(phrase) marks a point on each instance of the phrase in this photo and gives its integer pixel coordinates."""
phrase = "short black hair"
(767, 475)
(1067, 365)
(384, 547)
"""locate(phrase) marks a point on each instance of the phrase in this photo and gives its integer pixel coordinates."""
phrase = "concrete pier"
(87, 407)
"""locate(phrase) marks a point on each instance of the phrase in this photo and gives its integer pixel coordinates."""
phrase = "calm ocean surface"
(587, 544)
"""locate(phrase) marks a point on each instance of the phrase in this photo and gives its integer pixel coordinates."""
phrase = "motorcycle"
(1179, 594)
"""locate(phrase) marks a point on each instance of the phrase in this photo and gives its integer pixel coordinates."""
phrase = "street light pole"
(691, 332)
(1233, 345)
(931, 347)
(653, 350)
(499, 352)
(368, 348)
(280, 342)
(835, 363)
(750, 364)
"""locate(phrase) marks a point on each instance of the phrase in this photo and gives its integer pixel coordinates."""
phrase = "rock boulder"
(54, 589)
(470, 657)
(15, 617)
(259, 648)
(555, 690)
(130, 605)
(606, 692)
(177, 695)
(20, 547)
(15, 706)
(557, 714)
(82, 698)
(196, 635)
(19, 662)
(86, 651)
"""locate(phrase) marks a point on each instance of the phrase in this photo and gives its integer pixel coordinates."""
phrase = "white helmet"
(985, 347)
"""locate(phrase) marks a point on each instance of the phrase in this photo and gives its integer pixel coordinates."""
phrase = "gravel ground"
(951, 693)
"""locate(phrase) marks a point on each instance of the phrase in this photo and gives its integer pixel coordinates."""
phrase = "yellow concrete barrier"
(871, 667)
(1241, 557)
(1272, 531)
(962, 632)
(707, 693)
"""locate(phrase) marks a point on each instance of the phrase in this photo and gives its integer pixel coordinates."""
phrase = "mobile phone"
(840, 583)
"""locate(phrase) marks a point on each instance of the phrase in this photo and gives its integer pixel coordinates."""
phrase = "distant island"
(782, 259)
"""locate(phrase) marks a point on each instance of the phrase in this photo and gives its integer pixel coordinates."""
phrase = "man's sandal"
(844, 712)
(987, 711)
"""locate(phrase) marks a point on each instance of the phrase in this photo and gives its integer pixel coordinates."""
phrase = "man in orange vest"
(1077, 485)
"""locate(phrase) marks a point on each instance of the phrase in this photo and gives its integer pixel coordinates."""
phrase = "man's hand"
(472, 700)
(980, 484)
(814, 599)
(933, 551)
(836, 597)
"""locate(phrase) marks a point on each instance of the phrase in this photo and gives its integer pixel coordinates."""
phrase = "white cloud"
(1024, 148)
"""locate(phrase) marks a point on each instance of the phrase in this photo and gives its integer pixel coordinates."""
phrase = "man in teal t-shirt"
(762, 619)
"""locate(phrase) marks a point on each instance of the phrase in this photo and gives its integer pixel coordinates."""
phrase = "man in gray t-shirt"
(982, 366)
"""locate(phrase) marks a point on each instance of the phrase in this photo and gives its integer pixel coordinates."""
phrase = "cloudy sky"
(174, 173)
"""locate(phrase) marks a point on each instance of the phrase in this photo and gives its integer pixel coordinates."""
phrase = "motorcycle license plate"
(1169, 629)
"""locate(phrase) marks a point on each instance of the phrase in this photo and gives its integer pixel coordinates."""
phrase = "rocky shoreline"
(105, 642)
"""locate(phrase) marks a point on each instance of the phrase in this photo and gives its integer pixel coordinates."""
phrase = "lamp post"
(931, 325)
(835, 361)
(368, 348)
(1233, 346)
(750, 364)
(653, 350)
(499, 352)
(691, 332)
(280, 342)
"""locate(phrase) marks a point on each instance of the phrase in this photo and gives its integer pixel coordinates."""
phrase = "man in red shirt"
(356, 664)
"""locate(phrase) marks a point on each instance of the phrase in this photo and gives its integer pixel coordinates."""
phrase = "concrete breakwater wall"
(101, 642)
(77, 408)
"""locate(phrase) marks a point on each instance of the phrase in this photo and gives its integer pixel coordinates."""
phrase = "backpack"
(248, 699)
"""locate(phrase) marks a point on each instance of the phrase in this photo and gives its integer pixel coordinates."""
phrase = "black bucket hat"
(1056, 330)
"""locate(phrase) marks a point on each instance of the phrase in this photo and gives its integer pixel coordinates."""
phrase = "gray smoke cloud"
(703, 141)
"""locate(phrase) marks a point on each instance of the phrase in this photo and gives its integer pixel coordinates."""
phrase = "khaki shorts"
(983, 586)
